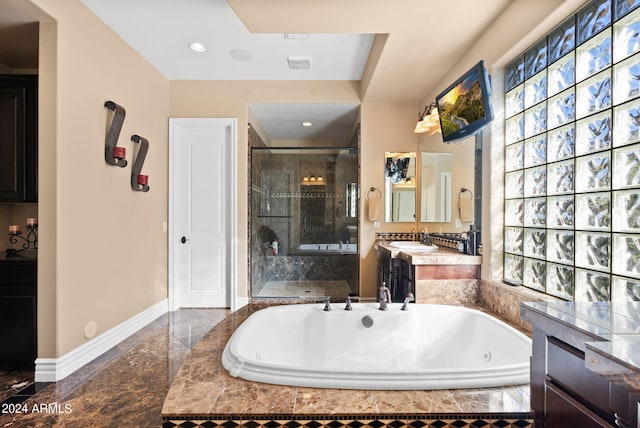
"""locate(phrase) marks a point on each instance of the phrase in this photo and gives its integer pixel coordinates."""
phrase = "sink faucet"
(407, 299)
(384, 295)
(327, 304)
(348, 306)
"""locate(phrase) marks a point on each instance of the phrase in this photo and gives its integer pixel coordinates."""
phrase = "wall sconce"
(140, 182)
(428, 121)
(312, 180)
(114, 155)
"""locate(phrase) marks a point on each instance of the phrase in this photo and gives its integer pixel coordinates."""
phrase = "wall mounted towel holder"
(114, 155)
(140, 182)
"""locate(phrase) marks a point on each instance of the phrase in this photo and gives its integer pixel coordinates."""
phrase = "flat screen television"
(465, 106)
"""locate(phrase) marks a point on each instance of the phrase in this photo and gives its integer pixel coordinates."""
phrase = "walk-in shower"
(304, 222)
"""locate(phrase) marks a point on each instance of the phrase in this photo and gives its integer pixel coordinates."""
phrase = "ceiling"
(398, 50)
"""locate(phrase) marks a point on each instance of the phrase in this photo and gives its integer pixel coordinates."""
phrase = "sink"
(412, 245)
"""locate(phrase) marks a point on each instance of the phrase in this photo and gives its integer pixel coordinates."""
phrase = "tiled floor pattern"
(338, 290)
(125, 387)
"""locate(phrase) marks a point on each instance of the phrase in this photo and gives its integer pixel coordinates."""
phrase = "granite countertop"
(615, 327)
(442, 256)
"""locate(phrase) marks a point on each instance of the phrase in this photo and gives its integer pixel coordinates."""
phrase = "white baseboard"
(55, 369)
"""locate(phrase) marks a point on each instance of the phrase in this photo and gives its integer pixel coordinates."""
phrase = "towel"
(374, 206)
(466, 209)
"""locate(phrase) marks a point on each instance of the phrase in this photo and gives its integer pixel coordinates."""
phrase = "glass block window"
(572, 158)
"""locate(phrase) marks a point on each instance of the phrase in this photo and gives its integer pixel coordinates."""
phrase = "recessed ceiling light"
(307, 124)
(240, 54)
(198, 47)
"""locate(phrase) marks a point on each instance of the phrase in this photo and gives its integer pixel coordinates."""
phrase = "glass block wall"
(572, 158)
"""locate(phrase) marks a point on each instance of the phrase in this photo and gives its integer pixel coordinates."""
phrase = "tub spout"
(407, 299)
(348, 306)
(383, 293)
(327, 304)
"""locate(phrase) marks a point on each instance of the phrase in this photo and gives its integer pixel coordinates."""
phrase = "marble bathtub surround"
(203, 393)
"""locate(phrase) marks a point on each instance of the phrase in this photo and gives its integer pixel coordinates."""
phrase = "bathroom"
(78, 196)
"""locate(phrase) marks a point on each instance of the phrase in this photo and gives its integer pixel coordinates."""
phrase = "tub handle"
(327, 304)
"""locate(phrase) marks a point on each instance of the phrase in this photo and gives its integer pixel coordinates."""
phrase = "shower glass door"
(304, 223)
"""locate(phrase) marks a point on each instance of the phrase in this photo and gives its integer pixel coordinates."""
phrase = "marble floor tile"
(125, 387)
(160, 370)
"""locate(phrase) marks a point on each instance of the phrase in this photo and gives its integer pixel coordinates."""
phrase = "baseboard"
(55, 369)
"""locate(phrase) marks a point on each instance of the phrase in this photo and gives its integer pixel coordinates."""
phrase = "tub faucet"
(348, 306)
(327, 304)
(383, 293)
(408, 298)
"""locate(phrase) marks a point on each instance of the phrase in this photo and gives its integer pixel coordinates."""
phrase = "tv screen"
(465, 106)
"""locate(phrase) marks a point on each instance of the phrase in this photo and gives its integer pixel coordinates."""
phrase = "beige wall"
(385, 128)
(103, 254)
(231, 99)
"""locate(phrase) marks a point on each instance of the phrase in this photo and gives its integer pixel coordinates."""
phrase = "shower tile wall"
(290, 211)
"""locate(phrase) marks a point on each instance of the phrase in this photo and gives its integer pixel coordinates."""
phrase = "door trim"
(232, 299)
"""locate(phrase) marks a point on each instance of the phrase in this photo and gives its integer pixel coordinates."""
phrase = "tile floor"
(125, 387)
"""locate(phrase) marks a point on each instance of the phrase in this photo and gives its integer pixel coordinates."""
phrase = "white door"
(201, 201)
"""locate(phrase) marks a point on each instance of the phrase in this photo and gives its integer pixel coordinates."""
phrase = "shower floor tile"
(338, 290)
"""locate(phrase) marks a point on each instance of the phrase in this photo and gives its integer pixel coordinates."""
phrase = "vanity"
(585, 365)
(439, 276)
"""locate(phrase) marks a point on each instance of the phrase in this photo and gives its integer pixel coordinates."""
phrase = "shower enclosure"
(304, 222)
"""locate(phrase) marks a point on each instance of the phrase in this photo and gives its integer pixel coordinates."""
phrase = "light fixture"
(240, 54)
(307, 124)
(197, 47)
(428, 121)
(313, 178)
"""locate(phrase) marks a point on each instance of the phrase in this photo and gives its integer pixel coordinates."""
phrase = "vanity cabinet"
(565, 391)
(18, 284)
(18, 138)
(388, 268)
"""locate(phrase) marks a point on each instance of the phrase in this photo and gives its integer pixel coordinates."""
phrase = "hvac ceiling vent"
(299, 62)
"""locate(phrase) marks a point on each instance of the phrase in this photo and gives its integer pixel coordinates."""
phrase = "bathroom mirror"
(435, 187)
(400, 187)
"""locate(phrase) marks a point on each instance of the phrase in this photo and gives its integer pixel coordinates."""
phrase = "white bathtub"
(426, 347)
(330, 248)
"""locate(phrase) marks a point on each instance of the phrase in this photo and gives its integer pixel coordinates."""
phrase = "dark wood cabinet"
(565, 389)
(388, 271)
(18, 284)
(18, 138)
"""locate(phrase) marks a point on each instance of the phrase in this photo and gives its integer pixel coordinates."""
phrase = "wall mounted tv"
(465, 106)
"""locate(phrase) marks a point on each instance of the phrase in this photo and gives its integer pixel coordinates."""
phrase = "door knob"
(184, 239)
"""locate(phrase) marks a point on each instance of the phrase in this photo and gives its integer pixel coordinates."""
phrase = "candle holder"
(140, 182)
(113, 154)
(30, 242)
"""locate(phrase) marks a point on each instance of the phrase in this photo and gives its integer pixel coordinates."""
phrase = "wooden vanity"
(441, 276)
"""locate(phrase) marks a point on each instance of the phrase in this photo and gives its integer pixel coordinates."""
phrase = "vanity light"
(198, 47)
(313, 178)
(320, 178)
(428, 121)
(305, 179)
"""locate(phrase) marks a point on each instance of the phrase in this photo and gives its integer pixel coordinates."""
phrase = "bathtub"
(426, 347)
(329, 248)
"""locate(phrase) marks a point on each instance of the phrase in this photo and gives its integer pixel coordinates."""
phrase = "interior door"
(200, 198)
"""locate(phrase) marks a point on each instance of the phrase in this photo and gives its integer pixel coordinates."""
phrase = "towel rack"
(373, 189)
